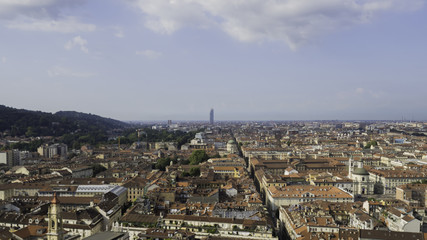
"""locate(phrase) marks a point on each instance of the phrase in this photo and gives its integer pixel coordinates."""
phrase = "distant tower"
(54, 229)
(211, 119)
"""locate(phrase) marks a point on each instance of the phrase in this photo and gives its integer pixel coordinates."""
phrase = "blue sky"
(249, 60)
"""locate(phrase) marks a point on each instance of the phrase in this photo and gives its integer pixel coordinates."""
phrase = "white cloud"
(362, 93)
(369, 93)
(10, 9)
(164, 16)
(79, 42)
(149, 54)
(42, 15)
(292, 21)
(66, 25)
(58, 71)
(118, 32)
(359, 91)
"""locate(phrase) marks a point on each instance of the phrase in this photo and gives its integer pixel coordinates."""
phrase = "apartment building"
(290, 195)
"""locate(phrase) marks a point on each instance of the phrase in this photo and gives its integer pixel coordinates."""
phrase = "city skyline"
(146, 60)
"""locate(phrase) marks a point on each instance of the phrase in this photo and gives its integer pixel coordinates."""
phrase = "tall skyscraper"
(211, 119)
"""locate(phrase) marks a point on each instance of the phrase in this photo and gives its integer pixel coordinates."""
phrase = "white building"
(362, 183)
(402, 222)
(232, 147)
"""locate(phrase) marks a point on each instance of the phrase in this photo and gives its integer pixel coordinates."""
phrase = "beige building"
(386, 181)
(228, 172)
(223, 227)
(296, 194)
(17, 189)
(135, 188)
(413, 194)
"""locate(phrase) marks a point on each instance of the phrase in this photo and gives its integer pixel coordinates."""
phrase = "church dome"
(231, 142)
(360, 171)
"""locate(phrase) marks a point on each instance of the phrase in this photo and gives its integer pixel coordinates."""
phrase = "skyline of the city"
(114, 181)
(212, 120)
(249, 60)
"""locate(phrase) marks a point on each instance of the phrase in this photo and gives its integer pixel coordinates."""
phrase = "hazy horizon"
(238, 120)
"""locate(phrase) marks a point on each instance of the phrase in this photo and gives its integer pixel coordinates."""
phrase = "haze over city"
(249, 60)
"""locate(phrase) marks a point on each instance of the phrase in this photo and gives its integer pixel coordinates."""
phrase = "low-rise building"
(295, 194)
(399, 221)
(386, 181)
(413, 194)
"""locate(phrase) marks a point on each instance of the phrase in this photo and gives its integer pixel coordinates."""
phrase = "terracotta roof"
(31, 231)
(296, 191)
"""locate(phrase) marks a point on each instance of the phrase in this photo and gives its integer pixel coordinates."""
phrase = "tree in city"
(198, 156)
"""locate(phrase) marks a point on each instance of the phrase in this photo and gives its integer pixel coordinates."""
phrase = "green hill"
(88, 118)
(71, 126)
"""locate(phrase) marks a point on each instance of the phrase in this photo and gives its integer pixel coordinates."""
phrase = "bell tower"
(55, 230)
(350, 166)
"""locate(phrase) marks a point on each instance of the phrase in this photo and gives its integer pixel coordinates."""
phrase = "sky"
(248, 59)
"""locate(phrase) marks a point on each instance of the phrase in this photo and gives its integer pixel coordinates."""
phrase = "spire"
(55, 199)
(55, 229)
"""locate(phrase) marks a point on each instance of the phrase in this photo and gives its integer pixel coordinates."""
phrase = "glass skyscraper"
(211, 119)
